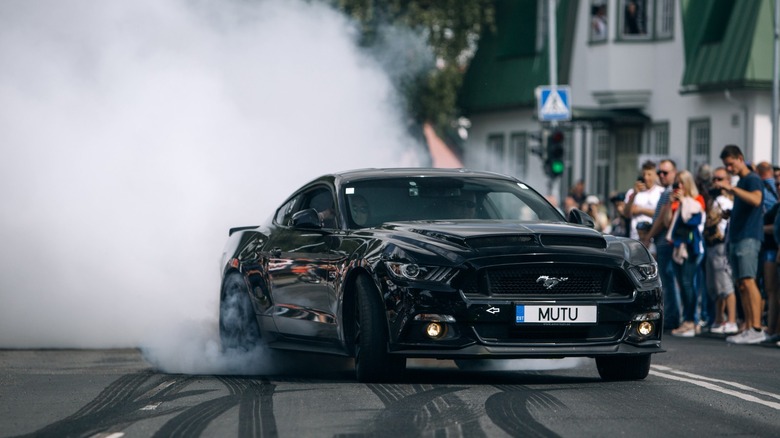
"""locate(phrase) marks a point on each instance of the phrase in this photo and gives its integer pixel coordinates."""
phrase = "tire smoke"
(134, 134)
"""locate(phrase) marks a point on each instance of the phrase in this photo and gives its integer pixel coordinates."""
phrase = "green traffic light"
(556, 167)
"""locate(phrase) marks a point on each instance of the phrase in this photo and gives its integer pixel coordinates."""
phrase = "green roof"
(728, 44)
(507, 68)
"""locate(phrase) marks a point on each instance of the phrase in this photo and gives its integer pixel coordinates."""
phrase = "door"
(300, 270)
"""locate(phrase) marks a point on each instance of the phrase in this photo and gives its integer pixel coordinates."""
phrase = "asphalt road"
(700, 387)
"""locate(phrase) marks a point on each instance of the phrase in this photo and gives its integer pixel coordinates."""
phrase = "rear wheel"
(623, 367)
(373, 362)
(238, 327)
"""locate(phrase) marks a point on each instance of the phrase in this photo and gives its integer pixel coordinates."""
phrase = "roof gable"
(507, 68)
(728, 44)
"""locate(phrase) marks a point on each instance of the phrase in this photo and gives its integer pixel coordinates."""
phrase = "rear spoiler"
(233, 230)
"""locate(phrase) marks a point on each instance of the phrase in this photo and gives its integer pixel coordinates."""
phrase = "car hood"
(459, 240)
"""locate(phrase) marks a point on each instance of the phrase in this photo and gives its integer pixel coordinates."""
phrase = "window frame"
(592, 38)
(659, 21)
(699, 149)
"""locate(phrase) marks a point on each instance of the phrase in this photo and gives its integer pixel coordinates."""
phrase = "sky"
(133, 135)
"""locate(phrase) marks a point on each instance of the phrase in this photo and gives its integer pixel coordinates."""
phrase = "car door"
(300, 271)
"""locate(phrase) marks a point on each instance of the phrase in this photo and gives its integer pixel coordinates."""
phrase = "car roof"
(359, 174)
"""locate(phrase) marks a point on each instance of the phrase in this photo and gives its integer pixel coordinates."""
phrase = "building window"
(698, 144)
(646, 20)
(518, 155)
(495, 152)
(659, 140)
(601, 162)
(599, 25)
(664, 19)
(635, 14)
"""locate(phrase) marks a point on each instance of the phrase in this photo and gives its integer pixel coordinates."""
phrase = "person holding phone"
(745, 234)
(642, 199)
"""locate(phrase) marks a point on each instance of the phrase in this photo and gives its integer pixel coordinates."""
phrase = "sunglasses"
(663, 172)
(718, 178)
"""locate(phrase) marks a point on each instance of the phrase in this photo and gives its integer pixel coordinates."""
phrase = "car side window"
(285, 212)
(322, 200)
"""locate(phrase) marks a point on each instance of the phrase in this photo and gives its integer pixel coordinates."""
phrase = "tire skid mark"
(255, 414)
(257, 410)
(118, 405)
(511, 410)
(194, 420)
(118, 390)
(424, 410)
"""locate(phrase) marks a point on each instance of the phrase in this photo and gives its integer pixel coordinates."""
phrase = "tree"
(451, 29)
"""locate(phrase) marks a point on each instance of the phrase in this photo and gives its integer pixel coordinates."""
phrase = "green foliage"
(451, 29)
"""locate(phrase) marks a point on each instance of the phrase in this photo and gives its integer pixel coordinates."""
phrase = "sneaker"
(686, 330)
(718, 329)
(748, 336)
(727, 328)
(730, 328)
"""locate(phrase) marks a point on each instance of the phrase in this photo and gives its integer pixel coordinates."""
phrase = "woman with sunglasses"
(685, 233)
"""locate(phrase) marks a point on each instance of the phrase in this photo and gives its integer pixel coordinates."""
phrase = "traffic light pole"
(553, 66)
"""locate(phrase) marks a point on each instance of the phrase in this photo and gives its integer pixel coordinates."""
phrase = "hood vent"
(563, 240)
(478, 243)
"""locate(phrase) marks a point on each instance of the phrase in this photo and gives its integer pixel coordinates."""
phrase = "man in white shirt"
(642, 198)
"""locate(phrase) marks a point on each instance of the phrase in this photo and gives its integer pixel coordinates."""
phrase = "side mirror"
(306, 219)
(579, 217)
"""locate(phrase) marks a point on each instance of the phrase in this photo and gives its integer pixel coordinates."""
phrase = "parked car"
(388, 264)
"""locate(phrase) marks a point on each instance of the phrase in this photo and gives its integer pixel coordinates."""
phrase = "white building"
(682, 79)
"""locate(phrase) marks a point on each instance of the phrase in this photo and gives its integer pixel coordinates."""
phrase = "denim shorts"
(743, 257)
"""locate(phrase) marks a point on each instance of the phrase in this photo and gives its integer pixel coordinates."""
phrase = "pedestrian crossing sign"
(553, 103)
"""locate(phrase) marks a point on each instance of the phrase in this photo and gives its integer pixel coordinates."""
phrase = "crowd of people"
(714, 235)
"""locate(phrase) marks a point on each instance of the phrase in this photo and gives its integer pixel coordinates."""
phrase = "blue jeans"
(669, 284)
(686, 275)
(707, 315)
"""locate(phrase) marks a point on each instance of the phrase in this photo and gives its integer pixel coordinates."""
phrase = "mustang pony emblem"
(550, 282)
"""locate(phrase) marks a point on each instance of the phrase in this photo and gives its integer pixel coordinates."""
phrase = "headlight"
(645, 272)
(413, 271)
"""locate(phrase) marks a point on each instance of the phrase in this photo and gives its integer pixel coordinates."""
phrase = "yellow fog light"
(645, 328)
(434, 330)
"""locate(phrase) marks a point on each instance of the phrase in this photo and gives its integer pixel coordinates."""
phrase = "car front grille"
(540, 334)
(547, 280)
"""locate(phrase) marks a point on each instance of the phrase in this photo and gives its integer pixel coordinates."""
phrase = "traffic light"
(553, 164)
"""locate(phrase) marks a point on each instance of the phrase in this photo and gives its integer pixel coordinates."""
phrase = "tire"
(238, 328)
(373, 362)
(617, 368)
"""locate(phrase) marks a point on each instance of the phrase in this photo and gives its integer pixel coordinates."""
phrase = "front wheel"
(617, 368)
(373, 362)
(238, 328)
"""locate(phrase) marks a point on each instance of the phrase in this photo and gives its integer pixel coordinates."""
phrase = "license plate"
(556, 314)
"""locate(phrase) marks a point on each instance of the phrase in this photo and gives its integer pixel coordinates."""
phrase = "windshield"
(373, 202)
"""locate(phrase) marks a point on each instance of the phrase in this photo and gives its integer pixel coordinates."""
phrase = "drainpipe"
(748, 152)
(776, 84)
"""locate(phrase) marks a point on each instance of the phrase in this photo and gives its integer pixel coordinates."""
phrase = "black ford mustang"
(388, 264)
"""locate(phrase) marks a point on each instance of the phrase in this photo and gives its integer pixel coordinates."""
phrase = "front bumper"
(486, 328)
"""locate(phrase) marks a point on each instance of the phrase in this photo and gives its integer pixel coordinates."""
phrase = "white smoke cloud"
(134, 134)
